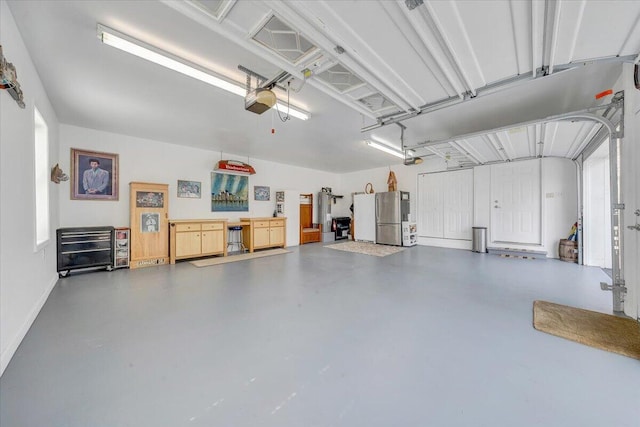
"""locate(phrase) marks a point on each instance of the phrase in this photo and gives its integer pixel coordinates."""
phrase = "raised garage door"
(515, 202)
(445, 204)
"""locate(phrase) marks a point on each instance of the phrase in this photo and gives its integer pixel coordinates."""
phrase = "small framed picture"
(262, 194)
(94, 175)
(150, 222)
(149, 199)
(189, 189)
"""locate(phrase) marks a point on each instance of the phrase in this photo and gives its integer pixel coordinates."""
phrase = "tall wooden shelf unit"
(149, 207)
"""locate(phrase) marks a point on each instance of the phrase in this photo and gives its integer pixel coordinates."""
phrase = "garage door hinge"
(618, 206)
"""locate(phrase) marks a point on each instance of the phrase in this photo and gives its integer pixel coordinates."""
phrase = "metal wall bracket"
(619, 290)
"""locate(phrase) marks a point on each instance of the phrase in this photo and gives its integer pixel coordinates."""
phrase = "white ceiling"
(401, 62)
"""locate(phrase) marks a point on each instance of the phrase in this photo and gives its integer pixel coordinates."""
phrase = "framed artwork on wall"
(229, 193)
(149, 199)
(261, 193)
(94, 175)
(189, 189)
(149, 222)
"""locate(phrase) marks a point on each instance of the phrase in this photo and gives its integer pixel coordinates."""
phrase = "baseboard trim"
(11, 349)
(444, 243)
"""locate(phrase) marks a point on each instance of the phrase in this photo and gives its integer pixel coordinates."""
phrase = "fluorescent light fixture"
(143, 50)
(386, 149)
(298, 114)
(385, 142)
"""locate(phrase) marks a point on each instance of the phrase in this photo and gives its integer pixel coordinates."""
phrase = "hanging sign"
(234, 166)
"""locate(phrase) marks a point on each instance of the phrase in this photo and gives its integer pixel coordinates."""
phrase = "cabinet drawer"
(261, 224)
(277, 222)
(214, 226)
(187, 227)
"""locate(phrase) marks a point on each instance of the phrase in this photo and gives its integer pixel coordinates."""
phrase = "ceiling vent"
(280, 38)
(340, 78)
(217, 9)
(377, 103)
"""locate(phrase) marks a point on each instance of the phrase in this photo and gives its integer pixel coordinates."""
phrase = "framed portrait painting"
(94, 175)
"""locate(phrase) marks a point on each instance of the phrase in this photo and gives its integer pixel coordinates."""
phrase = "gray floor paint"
(318, 337)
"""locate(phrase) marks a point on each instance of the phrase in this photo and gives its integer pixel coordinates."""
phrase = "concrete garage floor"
(318, 337)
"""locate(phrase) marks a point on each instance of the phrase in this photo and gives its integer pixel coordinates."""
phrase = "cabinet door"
(188, 244)
(276, 236)
(212, 241)
(260, 237)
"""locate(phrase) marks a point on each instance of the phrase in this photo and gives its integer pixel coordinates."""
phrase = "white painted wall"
(407, 177)
(152, 161)
(558, 179)
(597, 209)
(559, 202)
(26, 277)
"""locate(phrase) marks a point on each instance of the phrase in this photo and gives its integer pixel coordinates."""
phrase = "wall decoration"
(58, 175)
(189, 189)
(9, 80)
(234, 166)
(150, 222)
(149, 199)
(262, 194)
(229, 193)
(94, 175)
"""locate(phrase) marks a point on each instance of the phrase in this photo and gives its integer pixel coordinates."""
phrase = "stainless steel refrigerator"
(392, 208)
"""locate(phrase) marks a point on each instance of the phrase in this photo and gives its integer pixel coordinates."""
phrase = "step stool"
(235, 239)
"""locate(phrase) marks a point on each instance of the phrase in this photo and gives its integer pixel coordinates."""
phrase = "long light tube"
(157, 56)
(386, 149)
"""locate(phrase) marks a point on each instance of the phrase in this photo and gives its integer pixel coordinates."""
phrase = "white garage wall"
(559, 191)
(559, 202)
(26, 277)
(407, 177)
(151, 161)
(597, 209)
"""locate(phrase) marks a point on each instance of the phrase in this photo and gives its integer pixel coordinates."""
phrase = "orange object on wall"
(392, 182)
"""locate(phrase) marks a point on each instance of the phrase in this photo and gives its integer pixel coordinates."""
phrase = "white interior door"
(516, 203)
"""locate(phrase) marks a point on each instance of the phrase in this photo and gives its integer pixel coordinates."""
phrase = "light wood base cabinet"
(265, 233)
(196, 238)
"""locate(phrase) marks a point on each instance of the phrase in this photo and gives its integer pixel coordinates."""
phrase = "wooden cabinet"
(214, 238)
(149, 208)
(196, 238)
(265, 233)
(276, 233)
